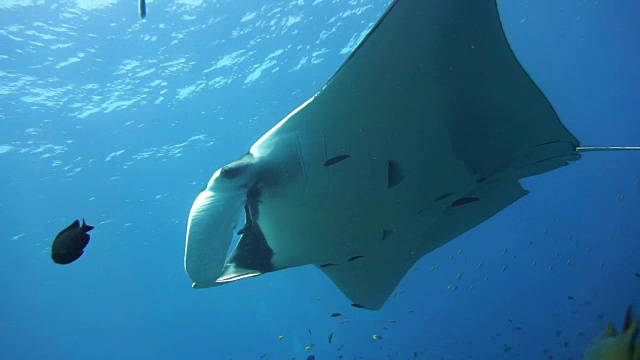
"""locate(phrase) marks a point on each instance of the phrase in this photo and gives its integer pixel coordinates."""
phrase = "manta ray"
(424, 132)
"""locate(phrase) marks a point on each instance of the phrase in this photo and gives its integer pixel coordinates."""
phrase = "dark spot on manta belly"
(327, 265)
(335, 160)
(357, 306)
(394, 174)
(355, 257)
(464, 201)
(386, 233)
(443, 196)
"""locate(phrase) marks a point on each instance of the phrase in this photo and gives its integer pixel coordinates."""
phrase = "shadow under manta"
(423, 133)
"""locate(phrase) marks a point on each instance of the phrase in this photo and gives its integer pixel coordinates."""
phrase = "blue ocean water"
(122, 121)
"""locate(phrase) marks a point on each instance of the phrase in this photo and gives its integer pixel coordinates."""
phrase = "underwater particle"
(571, 297)
(458, 276)
(459, 251)
(434, 268)
(533, 263)
(317, 298)
(330, 337)
(392, 321)
(569, 262)
(455, 288)
(280, 337)
(601, 264)
(448, 287)
(309, 347)
(397, 293)
(558, 333)
(504, 251)
(486, 278)
(69, 244)
(550, 267)
(546, 231)
(336, 314)
(620, 197)
(450, 257)
(638, 274)
(470, 287)
(504, 268)
(411, 310)
(480, 264)
(377, 337)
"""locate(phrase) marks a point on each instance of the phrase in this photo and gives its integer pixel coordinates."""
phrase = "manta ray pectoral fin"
(370, 280)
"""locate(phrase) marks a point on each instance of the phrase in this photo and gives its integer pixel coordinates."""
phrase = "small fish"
(142, 9)
(280, 337)
(377, 337)
(69, 244)
(330, 337)
(357, 306)
(612, 345)
(571, 297)
(355, 257)
(308, 347)
(311, 357)
(336, 314)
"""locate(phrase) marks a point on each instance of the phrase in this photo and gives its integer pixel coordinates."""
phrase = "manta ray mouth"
(230, 278)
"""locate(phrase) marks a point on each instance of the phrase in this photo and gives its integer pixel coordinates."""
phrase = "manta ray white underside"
(423, 133)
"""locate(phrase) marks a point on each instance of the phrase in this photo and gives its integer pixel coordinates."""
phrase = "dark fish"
(327, 265)
(311, 357)
(355, 257)
(336, 314)
(330, 337)
(69, 244)
(464, 201)
(571, 297)
(142, 9)
(357, 306)
(335, 160)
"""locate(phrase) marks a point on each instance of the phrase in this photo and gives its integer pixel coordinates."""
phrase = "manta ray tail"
(606, 148)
